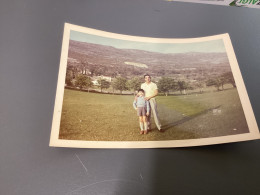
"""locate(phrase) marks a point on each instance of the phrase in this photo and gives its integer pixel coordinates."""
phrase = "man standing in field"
(151, 91)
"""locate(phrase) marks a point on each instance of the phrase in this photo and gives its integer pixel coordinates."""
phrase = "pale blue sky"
(207, 46)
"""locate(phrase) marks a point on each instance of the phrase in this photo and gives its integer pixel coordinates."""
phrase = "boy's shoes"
(145, 132)
(141, 132)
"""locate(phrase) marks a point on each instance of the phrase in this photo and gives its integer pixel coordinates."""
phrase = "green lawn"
(93, 117)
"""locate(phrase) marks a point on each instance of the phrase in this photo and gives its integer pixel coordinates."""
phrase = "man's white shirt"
(149, 89)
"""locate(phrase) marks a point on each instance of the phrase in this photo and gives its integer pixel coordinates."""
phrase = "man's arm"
(155, 94)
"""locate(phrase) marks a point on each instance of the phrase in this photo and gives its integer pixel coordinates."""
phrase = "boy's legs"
(145, 124)
(141, 123)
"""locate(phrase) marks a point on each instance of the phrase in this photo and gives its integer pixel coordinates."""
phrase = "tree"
(74, 72)
(200, 85)
(68, 79)
(103, 84)
(120, 84)
(214, 82)
(100, 70)
(92, 70)
(134, 84)
(83, 66)
(222, 81)
(83, 81)
(72, 69)
(114, 74)
(165, 84)
(182, 86)
(229, 78)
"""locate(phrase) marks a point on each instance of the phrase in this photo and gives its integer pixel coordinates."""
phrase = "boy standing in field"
(143, 109)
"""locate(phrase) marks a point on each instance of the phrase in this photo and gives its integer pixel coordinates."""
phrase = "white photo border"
(248, 111)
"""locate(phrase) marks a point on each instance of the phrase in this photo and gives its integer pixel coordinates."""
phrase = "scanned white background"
(30, 45)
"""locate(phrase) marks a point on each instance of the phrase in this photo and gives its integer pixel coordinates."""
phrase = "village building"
(95, 79)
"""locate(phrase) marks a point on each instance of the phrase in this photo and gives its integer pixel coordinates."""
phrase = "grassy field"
(93, 117)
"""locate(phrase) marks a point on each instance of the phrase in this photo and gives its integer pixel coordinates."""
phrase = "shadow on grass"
(187, 118)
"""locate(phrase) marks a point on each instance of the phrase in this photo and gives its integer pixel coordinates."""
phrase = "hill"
(110, 61)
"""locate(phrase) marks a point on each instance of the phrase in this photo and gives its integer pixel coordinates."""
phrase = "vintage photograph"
(120, 91)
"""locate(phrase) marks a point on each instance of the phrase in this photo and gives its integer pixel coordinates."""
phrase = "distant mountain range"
(130, 62)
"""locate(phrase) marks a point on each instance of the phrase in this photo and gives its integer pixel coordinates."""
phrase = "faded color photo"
(186, 90)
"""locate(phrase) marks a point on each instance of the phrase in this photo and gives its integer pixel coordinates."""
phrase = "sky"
(206, 47)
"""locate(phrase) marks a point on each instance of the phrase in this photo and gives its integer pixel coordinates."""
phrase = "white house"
(97, 78)
(109, 79)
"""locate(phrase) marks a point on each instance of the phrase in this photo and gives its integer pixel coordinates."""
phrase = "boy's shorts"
(141, 111)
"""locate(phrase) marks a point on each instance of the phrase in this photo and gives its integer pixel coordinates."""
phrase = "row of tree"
(220, 81)
(165, 84)
(119, 83)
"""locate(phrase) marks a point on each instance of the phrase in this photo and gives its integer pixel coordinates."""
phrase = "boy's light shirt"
(141, 102)
(149, 88)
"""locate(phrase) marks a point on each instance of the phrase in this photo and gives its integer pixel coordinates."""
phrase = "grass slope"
(103, 117)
